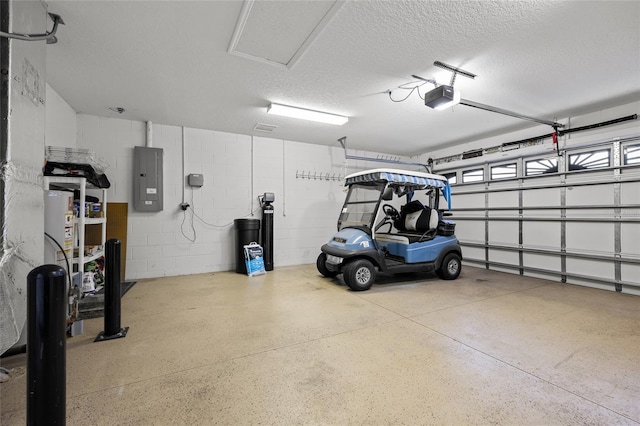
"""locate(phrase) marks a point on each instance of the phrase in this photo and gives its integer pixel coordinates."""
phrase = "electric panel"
(147, 179)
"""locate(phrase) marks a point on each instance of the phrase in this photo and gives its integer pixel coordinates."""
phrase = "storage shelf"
(95, 220)
(91, 258)
(80, 183)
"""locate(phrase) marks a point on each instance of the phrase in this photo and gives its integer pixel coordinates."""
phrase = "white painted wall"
(22, 247)
(60, 121)
(237, 169)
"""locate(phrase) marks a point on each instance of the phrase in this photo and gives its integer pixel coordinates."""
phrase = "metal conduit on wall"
(580, 227)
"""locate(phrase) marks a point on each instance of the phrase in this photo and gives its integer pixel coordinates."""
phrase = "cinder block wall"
(237, 169)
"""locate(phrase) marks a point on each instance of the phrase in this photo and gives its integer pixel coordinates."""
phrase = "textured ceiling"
(259, 31)
(168, 62)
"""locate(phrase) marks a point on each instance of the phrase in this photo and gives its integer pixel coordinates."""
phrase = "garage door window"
(589, 160)
(632, 154)
(541, 166)
(503, 171)
(476, 175)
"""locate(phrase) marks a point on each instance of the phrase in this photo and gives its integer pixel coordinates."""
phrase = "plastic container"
(247, 232)
(446, 228)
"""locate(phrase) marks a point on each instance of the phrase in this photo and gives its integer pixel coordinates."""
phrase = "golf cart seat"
(414, 226)
(420, 226)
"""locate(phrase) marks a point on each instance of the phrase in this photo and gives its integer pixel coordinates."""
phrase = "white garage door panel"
(541, 197)
(592, 176)
(541, 234)
(501, 256)
(551, 277)
(542, 261)
(630, 193)
(505, 270)
(590, 195)
(591, 268)
(503, 213)
(631, 273)
(630, 239)
(602, 286)
(503, 233)
(550, 181)
(473, 253)
(590, 213)
(594, 237)
(479, 186)
(631, 290)
(467, 201)
(503, 199)
(534, 213)
(470, 230)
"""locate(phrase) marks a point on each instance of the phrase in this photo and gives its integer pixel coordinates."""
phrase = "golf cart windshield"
(367, 188)
(361, 205)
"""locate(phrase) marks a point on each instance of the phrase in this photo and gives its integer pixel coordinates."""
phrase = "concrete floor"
(291, 347)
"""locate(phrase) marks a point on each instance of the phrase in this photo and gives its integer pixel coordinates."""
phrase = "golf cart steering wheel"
(390, 212)
(390, 216)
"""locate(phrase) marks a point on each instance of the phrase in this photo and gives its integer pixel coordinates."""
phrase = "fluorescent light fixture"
(306, 114)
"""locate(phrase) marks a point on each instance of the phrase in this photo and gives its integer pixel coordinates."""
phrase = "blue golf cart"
(392, 222)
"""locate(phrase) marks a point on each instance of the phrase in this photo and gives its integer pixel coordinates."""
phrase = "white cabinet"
(83, 221)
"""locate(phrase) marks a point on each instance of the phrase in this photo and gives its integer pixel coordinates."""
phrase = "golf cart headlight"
(334, 259)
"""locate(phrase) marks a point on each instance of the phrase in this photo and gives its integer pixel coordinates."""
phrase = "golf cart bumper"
(336, 256)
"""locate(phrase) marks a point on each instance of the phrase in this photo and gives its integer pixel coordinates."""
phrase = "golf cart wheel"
(359, 275)
(451, 267)
(322, 266)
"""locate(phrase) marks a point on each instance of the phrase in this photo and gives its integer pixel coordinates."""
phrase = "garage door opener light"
(444, 96)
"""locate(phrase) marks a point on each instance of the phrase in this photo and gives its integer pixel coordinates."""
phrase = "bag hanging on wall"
(253, 257)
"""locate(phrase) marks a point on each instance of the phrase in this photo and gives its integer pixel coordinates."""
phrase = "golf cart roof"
(397, 176)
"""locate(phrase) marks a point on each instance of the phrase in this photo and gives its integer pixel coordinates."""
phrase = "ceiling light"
(442, 97)
(306, 114)
(452, 102)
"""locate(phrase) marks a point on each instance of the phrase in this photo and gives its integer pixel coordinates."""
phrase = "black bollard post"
(112, 298)
(46, 346)
(112, 329)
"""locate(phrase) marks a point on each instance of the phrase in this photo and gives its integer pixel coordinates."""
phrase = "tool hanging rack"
(326, 176)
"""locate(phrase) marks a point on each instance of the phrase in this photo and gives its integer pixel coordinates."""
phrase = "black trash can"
(247, 231)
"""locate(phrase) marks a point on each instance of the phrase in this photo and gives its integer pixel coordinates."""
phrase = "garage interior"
(541, 152)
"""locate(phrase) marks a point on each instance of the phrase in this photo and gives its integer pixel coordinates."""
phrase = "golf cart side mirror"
(387, 195)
